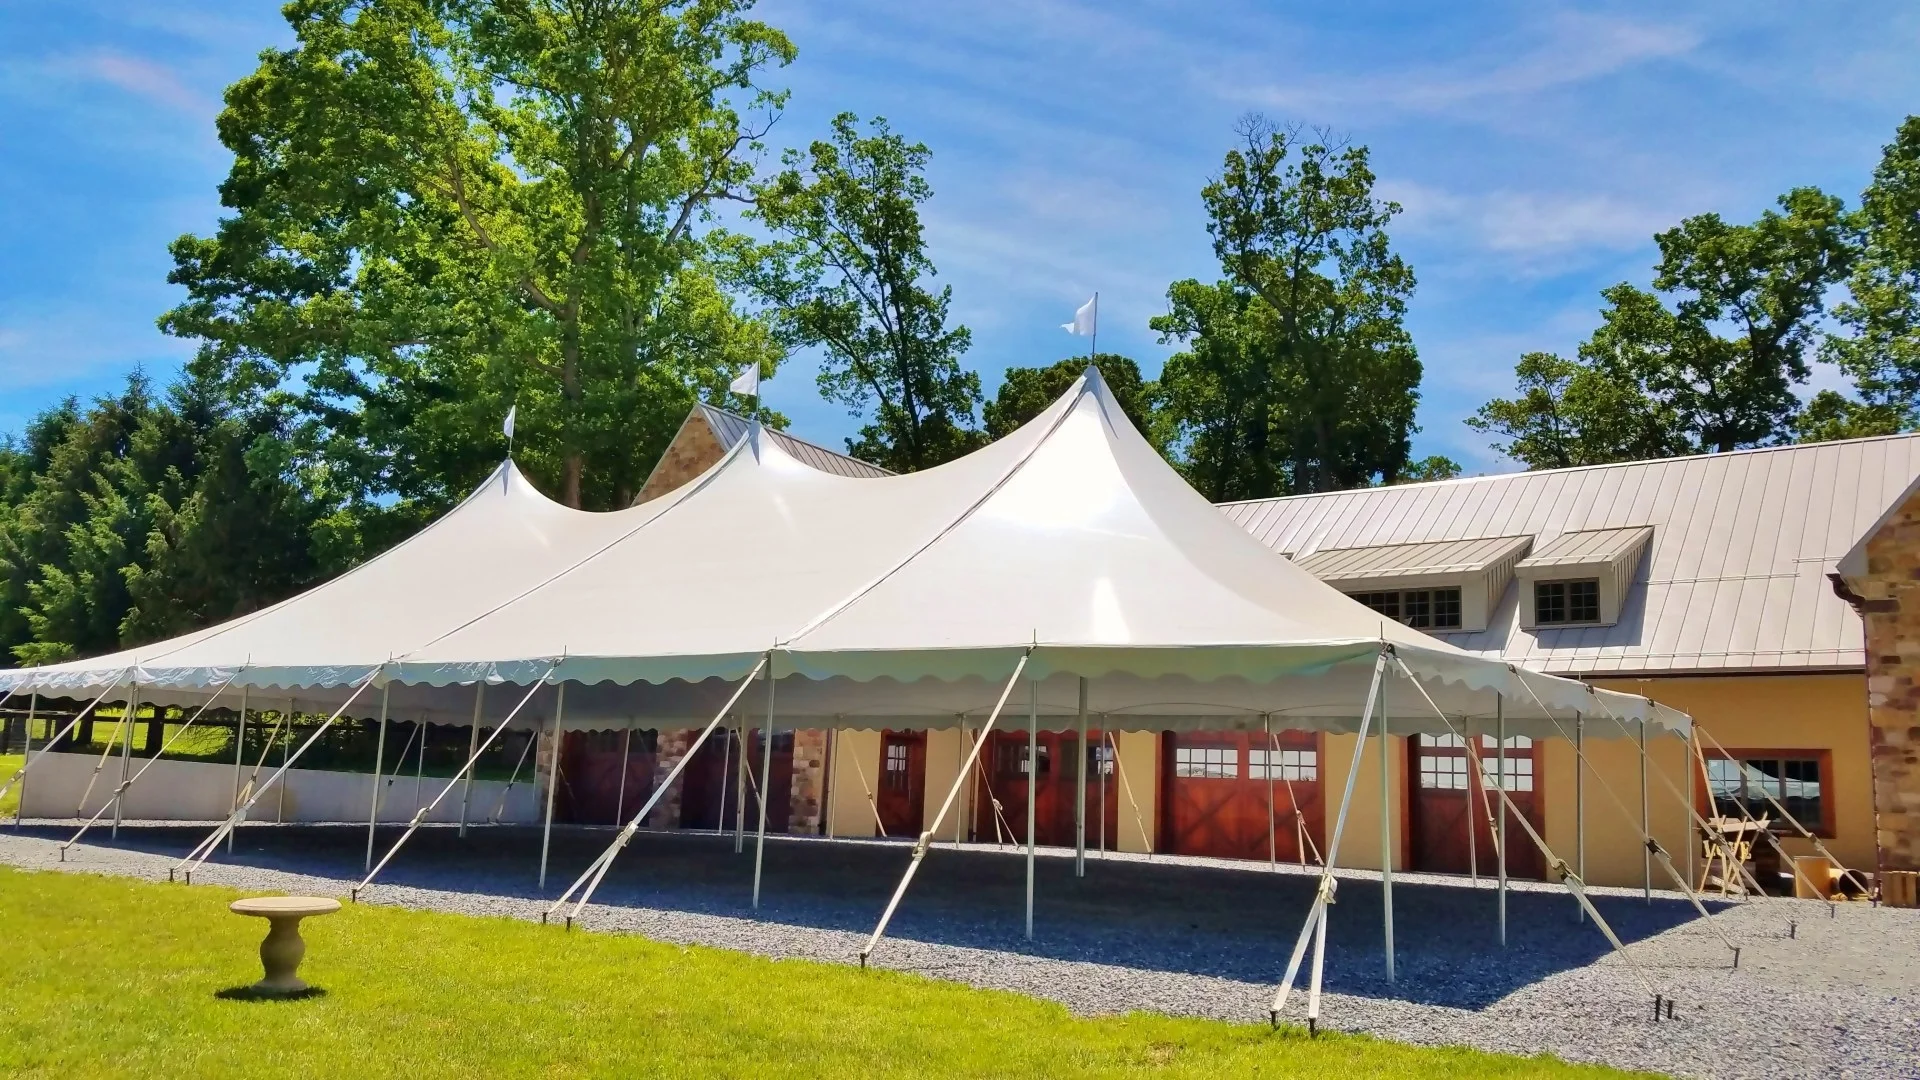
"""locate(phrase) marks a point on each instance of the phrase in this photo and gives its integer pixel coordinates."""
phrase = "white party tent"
(1068, 554)
(898, 601)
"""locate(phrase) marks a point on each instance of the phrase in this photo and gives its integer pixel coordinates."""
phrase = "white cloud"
(1566, 48)
(143, 78)
(1530, 223)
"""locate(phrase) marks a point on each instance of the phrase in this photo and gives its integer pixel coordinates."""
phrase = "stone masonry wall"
(693, 450)
(1890, 604)
(671, 747)
(806, 804)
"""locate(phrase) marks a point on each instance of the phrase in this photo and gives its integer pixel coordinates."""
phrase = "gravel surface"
(1178, 935)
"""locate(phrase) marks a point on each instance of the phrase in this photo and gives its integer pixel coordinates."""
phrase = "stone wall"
(693, 450)
(672, 746)
(1888, 597)
(807, 808)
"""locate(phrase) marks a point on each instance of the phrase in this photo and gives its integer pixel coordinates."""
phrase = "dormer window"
(1560, 603)
(1441, 586)
(1580, 578)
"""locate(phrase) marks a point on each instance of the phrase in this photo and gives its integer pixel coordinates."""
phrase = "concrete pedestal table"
(280, 953)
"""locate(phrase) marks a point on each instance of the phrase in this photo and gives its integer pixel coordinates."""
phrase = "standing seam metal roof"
(1734, 578)
(730, 428)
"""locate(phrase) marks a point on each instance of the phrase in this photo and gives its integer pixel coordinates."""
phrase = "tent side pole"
(1080, 792)
(833, 790)
(473, 745)
(963, 812)
(20, 810)
(1323, 896)
(280, 804)
(960, 778)
(553, 782)
(1473, 803)
(740, 791)
(1103, 787)
(1386, 834)
(726, 763)
(1646, 856)
(126, 750)
(1273, 760)
(379, 760)
(239, 752)
(1033, 786)
(1500, 781)
(766, 784)
(1580, 805)
(626, 757)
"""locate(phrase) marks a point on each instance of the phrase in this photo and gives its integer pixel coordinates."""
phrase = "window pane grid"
(1293, 764)
(1559, 602)
(1206, 762)
(1745, 783)
(1422, 609)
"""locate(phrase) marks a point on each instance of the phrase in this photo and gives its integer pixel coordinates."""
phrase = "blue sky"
(1536, 147)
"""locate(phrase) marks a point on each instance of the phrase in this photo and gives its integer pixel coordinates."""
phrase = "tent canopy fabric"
(896, 601)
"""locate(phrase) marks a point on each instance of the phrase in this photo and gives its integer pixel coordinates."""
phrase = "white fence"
(196, 791)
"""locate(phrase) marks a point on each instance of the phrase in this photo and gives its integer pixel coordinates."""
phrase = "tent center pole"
(379, 759)
(1080, 792)
(553, 781)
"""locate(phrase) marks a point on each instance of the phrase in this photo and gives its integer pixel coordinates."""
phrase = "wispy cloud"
(143, 78)
(1529, 224)
(1564, 49)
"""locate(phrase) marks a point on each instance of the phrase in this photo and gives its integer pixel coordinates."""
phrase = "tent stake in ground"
(597, 869)
(926, 838)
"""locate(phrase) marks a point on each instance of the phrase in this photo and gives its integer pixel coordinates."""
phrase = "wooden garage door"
(1448, 799)
(1004, 777)
(1220, 788)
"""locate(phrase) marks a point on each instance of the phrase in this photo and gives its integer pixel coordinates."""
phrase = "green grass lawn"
(106, 976)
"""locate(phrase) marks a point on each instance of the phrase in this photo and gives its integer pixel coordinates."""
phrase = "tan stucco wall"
(1615, 853)
(1360, 845)
(850, 755)
(943, 764)
(1138, 758)
(1766, 712)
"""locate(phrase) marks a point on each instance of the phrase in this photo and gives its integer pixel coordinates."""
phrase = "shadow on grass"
(249, 993)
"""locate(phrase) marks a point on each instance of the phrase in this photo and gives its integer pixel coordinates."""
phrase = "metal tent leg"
(473, 745)
(1646, 857)
(1080, 792)
(1500, 782)
(379, 760)
(553, 782)
(766, 784)
(1580, 805)
(1386, 834)
(1033, 786)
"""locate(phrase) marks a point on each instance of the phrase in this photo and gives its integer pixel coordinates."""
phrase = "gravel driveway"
(1178, 935)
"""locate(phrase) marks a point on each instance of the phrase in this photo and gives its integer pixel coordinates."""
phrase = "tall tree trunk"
(576, 458)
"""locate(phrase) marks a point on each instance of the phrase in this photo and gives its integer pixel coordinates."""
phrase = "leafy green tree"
(847, 276)
(1431, 467)
(441, 208)
(1299, 374)
(1026, 392)
(1881, 315)
(1832, 415)
(1572, 413)
(1709, 364)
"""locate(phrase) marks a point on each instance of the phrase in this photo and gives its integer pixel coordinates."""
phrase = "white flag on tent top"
(1086, 321)
(747, 383)
(508, 426)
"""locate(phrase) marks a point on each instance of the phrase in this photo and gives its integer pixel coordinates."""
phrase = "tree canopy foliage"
(1713, 357)
(1297, 373)
(847, 277)
(1026, 392)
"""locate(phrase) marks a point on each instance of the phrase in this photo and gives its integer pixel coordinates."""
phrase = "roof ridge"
(1711, 455)
(731, 415)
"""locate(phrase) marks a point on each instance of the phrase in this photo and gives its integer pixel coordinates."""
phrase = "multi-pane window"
(1010, 759)
(1446, 772)
(1519, 768)
(1100, 759)
(1422, 609)
(1211, 762)
(894, 771)
(1746, 782)
(1559, 602)
(1291, 764)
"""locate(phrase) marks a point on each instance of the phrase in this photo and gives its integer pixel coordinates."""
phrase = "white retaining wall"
(196, 791)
